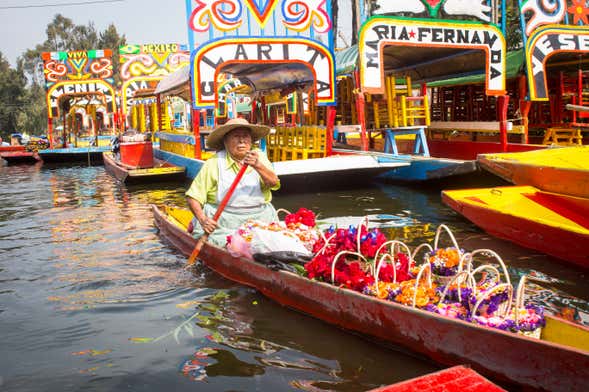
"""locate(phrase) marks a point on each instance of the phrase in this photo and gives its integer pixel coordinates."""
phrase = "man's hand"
(208, 224)
(251, 158)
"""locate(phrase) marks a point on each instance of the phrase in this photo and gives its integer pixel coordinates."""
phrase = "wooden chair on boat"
(313, 143)
(563, 136)
(295, 143)
(271, 144)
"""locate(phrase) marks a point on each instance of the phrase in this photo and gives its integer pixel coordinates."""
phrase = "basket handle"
(363, 222)
(417, 249)
(336, 258)
(424, 267)
(464, 276)
(503, 309)
(391, 257)
(490, 267)
(278, 211)
(519, 297)
(452, 238)
(491, 253)
(392, 243)
(327, 240)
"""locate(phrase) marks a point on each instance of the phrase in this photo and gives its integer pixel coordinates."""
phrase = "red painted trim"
(576, 210)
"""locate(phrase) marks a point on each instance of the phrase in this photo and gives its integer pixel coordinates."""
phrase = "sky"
(141, 21)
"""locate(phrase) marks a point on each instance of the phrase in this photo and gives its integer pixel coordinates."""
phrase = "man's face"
(238, 142)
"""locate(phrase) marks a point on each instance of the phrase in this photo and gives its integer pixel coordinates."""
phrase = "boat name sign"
(382, 31)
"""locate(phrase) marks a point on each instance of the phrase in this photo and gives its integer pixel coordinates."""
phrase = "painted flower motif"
(579, 11)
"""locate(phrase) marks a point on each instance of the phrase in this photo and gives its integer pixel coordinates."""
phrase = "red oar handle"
(205, 237)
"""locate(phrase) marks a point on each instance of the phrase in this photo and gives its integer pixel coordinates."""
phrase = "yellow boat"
(554, 224)
(560, 170)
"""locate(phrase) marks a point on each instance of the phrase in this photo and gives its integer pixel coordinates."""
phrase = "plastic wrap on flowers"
(296, 235)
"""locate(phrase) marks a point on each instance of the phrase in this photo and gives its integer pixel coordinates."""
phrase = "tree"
(110, 39)
(12, 97)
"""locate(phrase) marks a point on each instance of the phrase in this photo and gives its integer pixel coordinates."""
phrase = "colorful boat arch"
(383, 31)
(546, 42)
(209, 59)
(143, 66)
(79, 88)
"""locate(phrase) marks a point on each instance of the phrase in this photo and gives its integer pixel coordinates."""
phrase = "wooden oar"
(205, 236)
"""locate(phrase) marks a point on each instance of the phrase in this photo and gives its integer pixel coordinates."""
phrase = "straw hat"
(215, 139)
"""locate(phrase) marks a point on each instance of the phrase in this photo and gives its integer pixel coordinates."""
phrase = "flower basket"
(419, 292)
(529, 319)
(445, 262)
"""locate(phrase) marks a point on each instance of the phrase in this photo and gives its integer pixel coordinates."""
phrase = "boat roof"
(428, 64)
(514, 67)
(271, 76)
(177, 83)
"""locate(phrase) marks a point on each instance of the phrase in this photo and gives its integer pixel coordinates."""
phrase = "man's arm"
(207, 224)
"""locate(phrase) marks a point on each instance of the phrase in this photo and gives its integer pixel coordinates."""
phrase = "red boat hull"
(501, 355)
(565, 245)
(456, 379)
(15, 157)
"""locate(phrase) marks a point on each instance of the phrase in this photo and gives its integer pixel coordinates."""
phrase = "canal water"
(92, 299)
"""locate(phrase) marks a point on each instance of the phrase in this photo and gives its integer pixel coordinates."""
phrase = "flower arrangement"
(445, 261)
(423, 294)
(302, 217)
(347, 271)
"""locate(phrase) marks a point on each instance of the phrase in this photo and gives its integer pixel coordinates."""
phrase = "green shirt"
(204, 186)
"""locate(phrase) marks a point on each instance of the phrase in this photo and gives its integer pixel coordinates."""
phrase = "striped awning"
(346, 60)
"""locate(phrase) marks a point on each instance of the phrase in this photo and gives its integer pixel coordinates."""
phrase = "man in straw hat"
(251, 198)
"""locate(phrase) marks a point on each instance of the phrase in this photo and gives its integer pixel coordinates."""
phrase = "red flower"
(303, 215)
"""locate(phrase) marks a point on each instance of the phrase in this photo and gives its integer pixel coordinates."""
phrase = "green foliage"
(13, 96)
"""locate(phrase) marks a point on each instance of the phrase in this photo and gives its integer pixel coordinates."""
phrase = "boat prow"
(555, 224)
(562, 170)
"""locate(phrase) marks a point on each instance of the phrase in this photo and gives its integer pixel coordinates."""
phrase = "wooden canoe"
(557, 225)
(560, 170)
(454, 379)
(552, 363)
(162, 171)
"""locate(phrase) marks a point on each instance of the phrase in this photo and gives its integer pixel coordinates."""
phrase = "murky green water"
(92, 299)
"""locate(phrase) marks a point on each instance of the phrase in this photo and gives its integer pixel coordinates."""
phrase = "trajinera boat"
(559, 360)
(561, 170)
(555, 224)
(159, 171)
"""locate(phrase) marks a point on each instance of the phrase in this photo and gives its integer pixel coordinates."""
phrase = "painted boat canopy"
(176, 83)
(346, 60)
(271, 76)
(530, 204)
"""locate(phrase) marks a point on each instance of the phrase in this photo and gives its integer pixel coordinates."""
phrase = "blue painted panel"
(192, 165)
